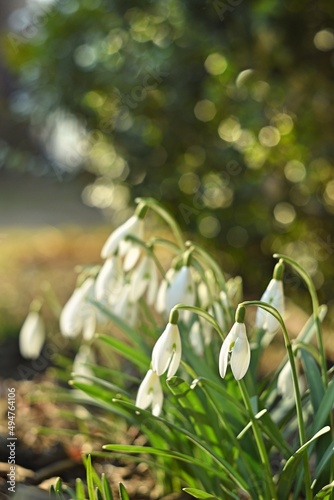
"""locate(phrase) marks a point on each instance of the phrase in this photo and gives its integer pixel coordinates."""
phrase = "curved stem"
(219, 275)
(160, 210)
(259, 441)
(301, 426)
(315, 307)
(204, 314)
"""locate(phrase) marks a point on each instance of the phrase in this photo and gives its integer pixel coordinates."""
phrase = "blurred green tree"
(222, 109)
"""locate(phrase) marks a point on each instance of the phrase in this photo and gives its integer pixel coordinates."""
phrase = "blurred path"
(28, 201)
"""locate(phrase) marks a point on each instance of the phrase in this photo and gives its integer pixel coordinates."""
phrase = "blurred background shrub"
(221, 109)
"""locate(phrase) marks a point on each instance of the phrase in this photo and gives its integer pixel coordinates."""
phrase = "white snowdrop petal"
(240, 358)
(131, 257)
(223, 359)
(145, 391)
(161, 354)
(106, 278)
(153, 284)
(195, 338)
(116, 237)
(32, 336)
(181, 289)
(70, 318)
(139, 281)
(160, 304)
(174, 362)
(89, 324)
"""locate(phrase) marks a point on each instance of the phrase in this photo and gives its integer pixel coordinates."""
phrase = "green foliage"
(223, 110)
(263, 438)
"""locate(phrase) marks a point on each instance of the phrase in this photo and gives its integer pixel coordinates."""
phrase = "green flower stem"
(203, 254)
(259, 441)
(160, 210)
(219, 275)
(301, 426)
(204, 314)
(315, 306)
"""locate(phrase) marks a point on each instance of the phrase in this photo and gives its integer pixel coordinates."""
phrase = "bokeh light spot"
(269, 136)
(229, 130)
(284, 213)
(215, 64)
(205, 110)
(324, 40)
(209, 226)
(295, 171)
(189, 183)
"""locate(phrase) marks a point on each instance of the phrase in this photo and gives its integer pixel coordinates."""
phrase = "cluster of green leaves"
(204, 439)
(224, 438)
(232, 132)
(97, 488)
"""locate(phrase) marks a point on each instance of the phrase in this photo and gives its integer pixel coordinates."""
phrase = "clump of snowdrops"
(213, 427)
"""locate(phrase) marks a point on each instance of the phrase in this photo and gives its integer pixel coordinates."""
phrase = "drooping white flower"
(177, 287)
(160, 304)
(167, 351)
(83, 357)
(110, 280)
(196, 338)
(78, 314)
(200, 335)
(126, 248)
(124, 307)
(285, 382)
(144, 278)
(273, 295)
(236, 346)
(150, 393)
(32, 336)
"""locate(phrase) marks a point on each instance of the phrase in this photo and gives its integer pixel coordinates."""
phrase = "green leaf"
(326, 492)
(324, 409)
(79, 489)
(313, 379)
(290, 469)
(223, 465)
(123, 493)
(99, 394)
(194, 492)
(205, 424)
(106, 488)
(128, 352)
(324, 459)
(89, 474)
(59, 486)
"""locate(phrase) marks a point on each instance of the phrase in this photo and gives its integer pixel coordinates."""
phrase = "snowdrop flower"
(32, 336)
(274, 296)
(200, 335)
(237, 344)
(124, 308)
(181, 289)
(78, 314)
(285, 382)
(83, 357)
(177, 288)
(196, 338)
(166, 354)
(161, 297)
(150, 393)
(109, 281)
(126, 248)
(144, 277)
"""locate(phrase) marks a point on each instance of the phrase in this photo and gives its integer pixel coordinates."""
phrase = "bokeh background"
(221, 109)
